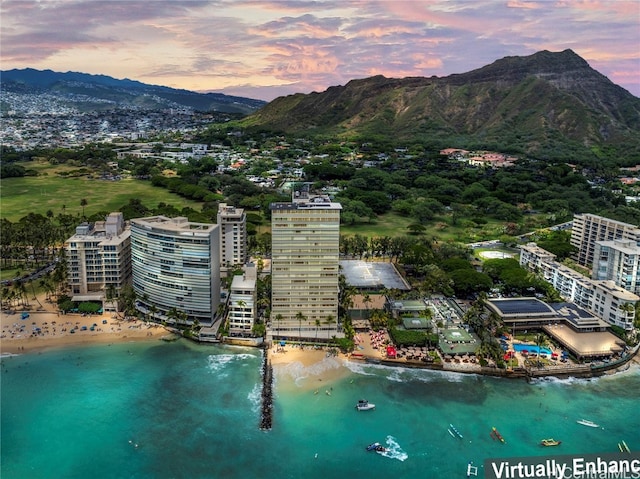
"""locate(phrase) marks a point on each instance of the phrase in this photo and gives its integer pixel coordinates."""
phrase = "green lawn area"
(388, 224)
(20, 196)
(392, 225)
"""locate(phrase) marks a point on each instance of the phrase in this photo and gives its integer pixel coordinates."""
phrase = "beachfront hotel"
(588, 229)
(618, 261)
(176, 268)
(232, 222)
(305, 236)
(603, 298)
(99, 260)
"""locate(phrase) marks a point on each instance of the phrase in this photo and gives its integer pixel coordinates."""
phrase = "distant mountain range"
(535, 104)
(87, 92)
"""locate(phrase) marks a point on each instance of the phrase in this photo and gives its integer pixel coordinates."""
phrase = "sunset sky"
(264, 49)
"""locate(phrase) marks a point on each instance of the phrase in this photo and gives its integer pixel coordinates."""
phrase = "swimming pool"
(532, 348)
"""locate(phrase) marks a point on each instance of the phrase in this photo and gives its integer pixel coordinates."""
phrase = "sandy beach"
(46, 328)
(308, 368)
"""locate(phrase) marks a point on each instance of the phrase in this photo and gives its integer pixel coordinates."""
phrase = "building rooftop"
(362, 274)
(242, 282)
(179, 224)
(521, 306)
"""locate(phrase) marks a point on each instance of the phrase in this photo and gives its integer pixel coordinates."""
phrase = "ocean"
(185, 410)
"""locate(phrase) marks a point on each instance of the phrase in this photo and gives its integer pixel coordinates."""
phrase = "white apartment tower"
(587, 229)
(242, 302)
(618, 261)
(305, 236)
(99, 258)
(603, 298)
(176, 268)
(233, 235)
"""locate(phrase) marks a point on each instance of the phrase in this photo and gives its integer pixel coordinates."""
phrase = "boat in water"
(623, 447)
(364, 405)
(377, 447)
(550, 442)
(496, 435)
(454, 432)
(585, 422)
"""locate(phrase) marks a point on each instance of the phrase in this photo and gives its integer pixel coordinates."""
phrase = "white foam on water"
(394, 451)
(552, 380)
(219, 362)
(255, 398)
(405, 375)
(299, 372)
(8, 355)
(360, 368)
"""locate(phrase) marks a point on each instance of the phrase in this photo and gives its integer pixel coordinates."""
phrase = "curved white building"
(176, 264)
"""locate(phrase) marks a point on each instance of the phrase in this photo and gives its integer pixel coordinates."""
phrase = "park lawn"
(21, 196)
(391, 224)
(388, 224)
(8, 273)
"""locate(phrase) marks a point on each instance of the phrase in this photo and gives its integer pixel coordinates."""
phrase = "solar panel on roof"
(519, 306)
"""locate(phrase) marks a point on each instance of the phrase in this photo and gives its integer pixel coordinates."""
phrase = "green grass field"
(20, 196)
(385, 225)
(392, 225)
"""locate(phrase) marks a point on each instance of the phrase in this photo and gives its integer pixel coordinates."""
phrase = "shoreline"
(308, 368)
(48, 329)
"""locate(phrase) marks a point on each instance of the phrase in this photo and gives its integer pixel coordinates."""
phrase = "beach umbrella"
(282, 343)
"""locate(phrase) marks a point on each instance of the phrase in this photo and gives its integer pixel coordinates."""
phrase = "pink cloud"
(311, 44)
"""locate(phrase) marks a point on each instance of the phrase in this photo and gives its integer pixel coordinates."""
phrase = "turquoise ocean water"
(182, 410)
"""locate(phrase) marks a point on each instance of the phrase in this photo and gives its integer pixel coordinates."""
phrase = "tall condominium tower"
(618, 261)
(588, 228)
(232, 222)
(99, 258)
(305, 237)
(176, 268)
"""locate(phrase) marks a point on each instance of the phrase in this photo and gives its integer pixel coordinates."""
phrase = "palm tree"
(300, 317)
(172, 314)
(83, 203)
(153, 309)
(366, 300)
(329, 321)
(317, 327)
(279, 318)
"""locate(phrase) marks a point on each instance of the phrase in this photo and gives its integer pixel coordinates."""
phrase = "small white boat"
(364, 405)
(454, 432)
(585, 422)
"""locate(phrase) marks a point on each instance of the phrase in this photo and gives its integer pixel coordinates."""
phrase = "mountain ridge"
(98, 92)
(533, 102)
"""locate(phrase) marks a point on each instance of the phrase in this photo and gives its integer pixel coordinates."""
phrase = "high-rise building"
(99, 259)
(176, 268)
(305, 236)
(587, 229)
(242, 302)
(603, 298)
(618, 261)
(233, 235)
